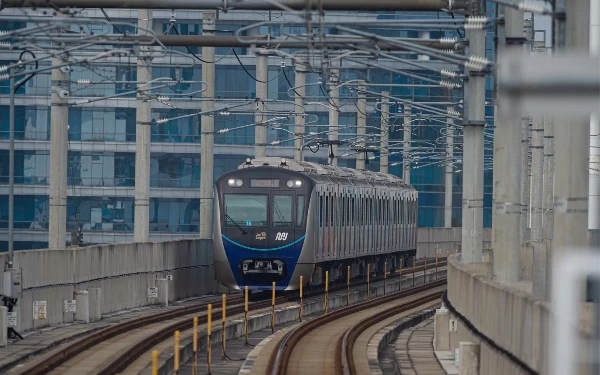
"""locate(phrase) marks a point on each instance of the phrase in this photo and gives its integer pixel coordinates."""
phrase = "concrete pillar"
(361, 124)
(473, 144)
(260, 131)
(3, 326)
(548, 217)
(300, 82)
(163, 291)
(406, 143)
(95, 298)
(449, 171)
(207, 137)
(469, 362)
(334, 98)
(82, 301)
(385, 132)
(506, 238)
(441, 333)
(524, 179)
(539, 268)
(143, 118)
(59, 132)
(537, 169)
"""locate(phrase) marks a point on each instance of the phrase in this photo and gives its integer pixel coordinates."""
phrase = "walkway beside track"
(414, 351)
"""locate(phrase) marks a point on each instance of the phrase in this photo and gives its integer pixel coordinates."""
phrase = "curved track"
(113, 349)
(325, 344)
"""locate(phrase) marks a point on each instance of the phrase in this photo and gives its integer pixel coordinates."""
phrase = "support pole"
(548, 216)
(300, 91)
(594, 205)
(406, 143)
(472, 225)
(334, 98)
(59, 118)
(260, 131)
(361, 123)
(11, 171)
(207, 137)
(143, 117)
(449, 172)
(385, 133)
(506, 237)
(524, 179)
(537, 169)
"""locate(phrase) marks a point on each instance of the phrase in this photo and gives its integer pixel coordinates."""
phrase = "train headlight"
(293, 184)
(235, 182)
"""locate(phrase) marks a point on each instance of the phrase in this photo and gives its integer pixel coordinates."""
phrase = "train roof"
(321, 171)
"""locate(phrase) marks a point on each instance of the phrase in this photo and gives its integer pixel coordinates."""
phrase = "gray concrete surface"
(123, 272)
(445, 239)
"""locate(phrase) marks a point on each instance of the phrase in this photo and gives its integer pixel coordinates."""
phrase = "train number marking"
(281, 236)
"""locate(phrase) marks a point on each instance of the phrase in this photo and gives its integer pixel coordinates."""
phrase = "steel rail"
(125, 358)
(346, 344)
(280, 358)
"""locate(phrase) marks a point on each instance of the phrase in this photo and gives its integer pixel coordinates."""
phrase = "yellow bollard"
(436, 265)
(384, 277)
(425, 270)
(195, 347)
(224, 332)
(301, 282)
(246, 316)
(368, 280)
(348, 303)
(400, 277)
(208, 337)
(447, 254)
(155, 362)
(176, 358)
(273, 309)
(326, 291)
(414, 265)
(456, 251)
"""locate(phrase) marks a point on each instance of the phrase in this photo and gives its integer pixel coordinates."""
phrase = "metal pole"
(260, 131)
(537, 169)
(449, 173)
(334, 98)
(361, 123)
(472, 226)
(524, 179)
(59, 117)
(207, 137)
(406, 143)
(300, 90)
(506, 236)
(143, 116)
(548, 216)
(594, 205)
(11, 172)
(385, 132)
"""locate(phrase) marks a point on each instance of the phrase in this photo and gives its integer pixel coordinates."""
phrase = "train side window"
(300, 210)
(320, 211)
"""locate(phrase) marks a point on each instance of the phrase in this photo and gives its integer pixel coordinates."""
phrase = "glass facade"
(102, 137)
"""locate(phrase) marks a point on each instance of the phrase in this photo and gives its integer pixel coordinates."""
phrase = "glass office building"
(101, 146)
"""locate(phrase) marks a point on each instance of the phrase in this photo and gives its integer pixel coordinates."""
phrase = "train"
(276, 220)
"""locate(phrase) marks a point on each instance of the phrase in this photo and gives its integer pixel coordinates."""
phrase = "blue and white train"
(277, 220)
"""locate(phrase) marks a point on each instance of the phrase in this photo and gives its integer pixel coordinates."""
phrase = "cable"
(289, 83)
(250, 75)
(457, 30)
(327, 98)
(109, 20)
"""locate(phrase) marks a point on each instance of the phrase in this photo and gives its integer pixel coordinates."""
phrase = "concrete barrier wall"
(445, 239)
(513, 319)
(124, 272)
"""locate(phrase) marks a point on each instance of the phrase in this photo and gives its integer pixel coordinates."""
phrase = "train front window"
(282, 211)
(246, 210)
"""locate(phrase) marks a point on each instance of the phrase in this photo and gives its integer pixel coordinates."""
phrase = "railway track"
(124, 343)
(326, 344)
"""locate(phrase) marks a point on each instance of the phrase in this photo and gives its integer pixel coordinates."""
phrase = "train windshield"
(246, 210)
(282, 211)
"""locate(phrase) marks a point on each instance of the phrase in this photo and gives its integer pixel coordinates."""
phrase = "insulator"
(450, 41)
(448, 73)
(162, 120)
(5, 45)
(452, 113)
(83, 81)
(164, 98)
(4, 77)
(82, 101)
(3, 68)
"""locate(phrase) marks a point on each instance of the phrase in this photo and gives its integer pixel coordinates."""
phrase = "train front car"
(260, 226)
